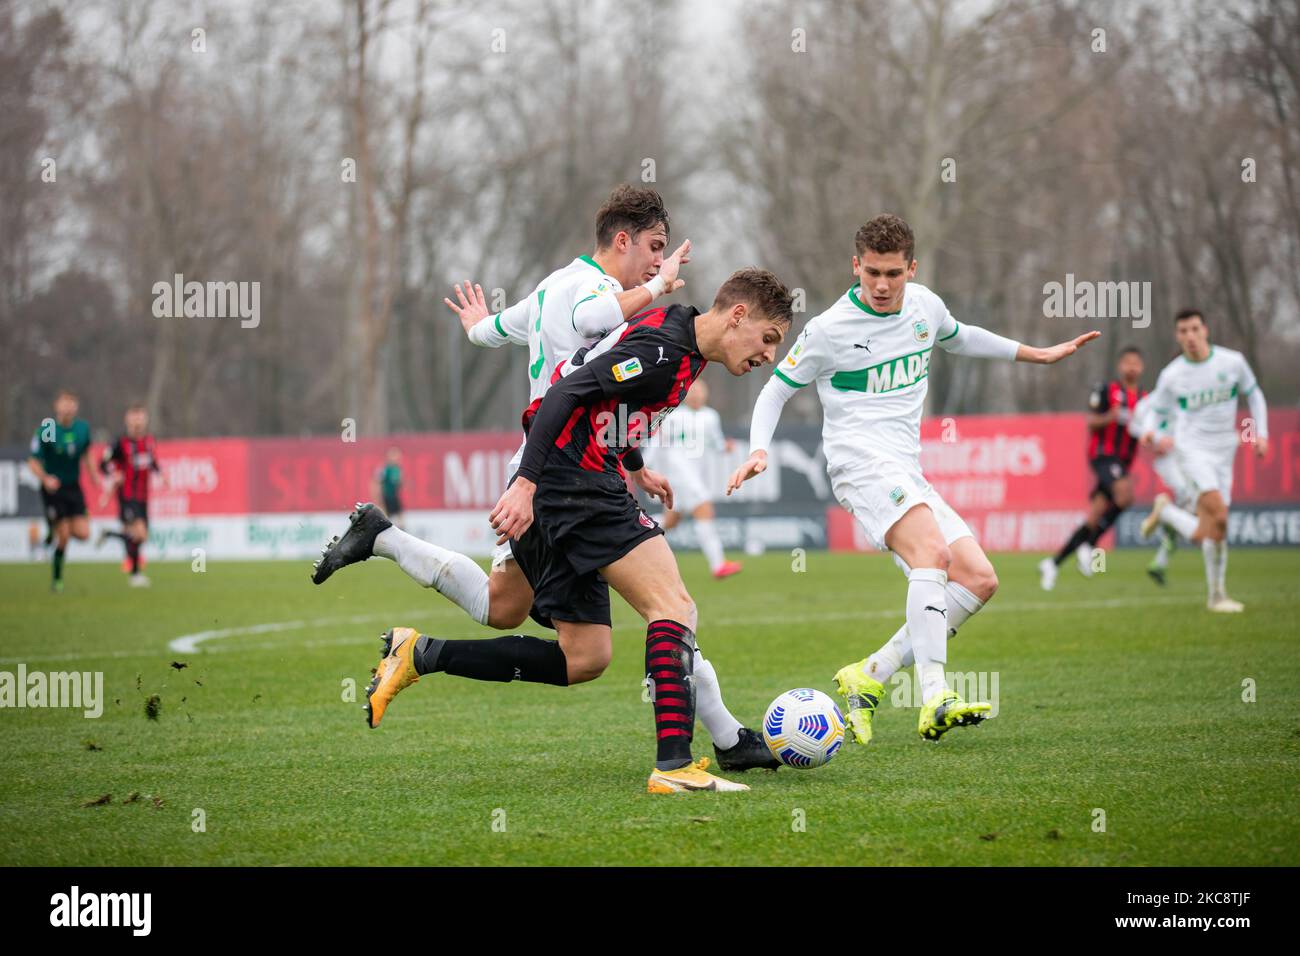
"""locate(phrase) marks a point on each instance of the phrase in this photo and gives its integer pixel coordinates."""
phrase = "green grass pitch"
(1115, 697)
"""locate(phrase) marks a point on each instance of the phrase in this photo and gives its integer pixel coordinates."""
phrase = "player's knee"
(1123, 498)
(588, 665)
(506, 613)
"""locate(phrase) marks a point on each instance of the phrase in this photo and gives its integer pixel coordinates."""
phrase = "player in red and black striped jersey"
(129, 463)
(575, 529)
(1111, 450)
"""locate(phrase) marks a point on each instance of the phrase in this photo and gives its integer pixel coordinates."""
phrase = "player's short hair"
(885, 234)
(1190, 314)
(66, 392)
(761, 290)
(137, 407)
(1130, 350)
(630, 209)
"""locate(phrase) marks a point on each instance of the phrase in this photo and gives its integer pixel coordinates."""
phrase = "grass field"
(1113, 695)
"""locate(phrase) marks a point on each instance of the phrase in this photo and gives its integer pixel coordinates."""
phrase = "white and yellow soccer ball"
(803, 728)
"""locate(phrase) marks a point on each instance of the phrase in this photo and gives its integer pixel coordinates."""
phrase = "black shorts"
(1108, 469)
(133, 509)
(392, 504)
(582, 521)
(67, 502)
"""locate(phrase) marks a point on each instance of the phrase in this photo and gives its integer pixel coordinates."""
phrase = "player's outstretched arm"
(488, 330)
(1054, 353)
(762, 426)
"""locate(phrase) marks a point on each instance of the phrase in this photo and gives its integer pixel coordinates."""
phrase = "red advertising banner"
(1022, 481)
(198, 476)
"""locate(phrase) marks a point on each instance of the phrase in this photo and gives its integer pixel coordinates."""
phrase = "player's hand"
(672, 265)
(1261, 447)
(1164, 445)
(755, 464)
(50, 483)
(472, 307)
(514, 512)
(655, 485)
(1054, 353)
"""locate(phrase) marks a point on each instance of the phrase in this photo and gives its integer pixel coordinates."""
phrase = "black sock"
(1104, 523)
(669, 664)
(1081, 535)
(116, 534)
(133, 552)
(516, 657)
(58, 564)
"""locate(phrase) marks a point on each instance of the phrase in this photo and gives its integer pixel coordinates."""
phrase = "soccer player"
(1199, 390)
(59, 449)
(869, 355)
(576, 531)
(128, 465)
(693, 431)
(1110, 455)
(572, 308)
(387, 485)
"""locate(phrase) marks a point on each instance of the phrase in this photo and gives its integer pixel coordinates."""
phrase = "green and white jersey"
(1200, 399)
(577, 307)
(872, 372)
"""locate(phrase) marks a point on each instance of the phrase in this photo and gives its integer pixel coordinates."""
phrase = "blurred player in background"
(1194, 415)
(686, 440)
(60, 448)
(1110, 455)
(128, 465)
(1165, 465)
(387, 486)
(869, 355)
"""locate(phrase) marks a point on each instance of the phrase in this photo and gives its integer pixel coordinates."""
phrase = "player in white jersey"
(684, 444)
(869, 355)
(571, 308)
(1165, 465)
(1195, 416)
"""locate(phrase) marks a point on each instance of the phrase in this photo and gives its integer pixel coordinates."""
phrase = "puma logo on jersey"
(867, 346)
(661, 356)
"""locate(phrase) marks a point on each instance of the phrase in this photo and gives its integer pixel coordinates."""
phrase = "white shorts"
(1167, 467)
(685, 472)
(1206, 470)
(501, 553)
(877, 492)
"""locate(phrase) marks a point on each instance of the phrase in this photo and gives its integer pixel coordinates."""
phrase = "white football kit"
(571, 308)
(685, 443)
(1196, 404)
(872, 373)
(1165, 466)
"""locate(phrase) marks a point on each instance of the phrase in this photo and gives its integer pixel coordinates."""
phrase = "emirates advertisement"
(1020, 481)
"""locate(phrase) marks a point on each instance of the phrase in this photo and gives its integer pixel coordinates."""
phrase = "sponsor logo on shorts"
(625, 370)
(898, 495)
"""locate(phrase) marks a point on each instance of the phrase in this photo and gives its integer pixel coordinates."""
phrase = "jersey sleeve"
(1164, 404)
(1248, 386)
(973, 341)
(808, 359)
(1099, 398)
(595, 308)
(507, 327)
(109, 461)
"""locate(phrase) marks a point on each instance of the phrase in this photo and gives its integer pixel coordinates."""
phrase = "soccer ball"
(803, 728)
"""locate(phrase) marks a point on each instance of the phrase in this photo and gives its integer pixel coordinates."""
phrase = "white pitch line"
(190, 643)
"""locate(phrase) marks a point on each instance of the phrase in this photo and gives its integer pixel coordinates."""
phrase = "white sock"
(456, 577)
(1211, 555)
(962, 605)
(1161, 559)
(927, 624)
(707, 534)
(1181, 521)
(1221, 566)
(713, 713)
